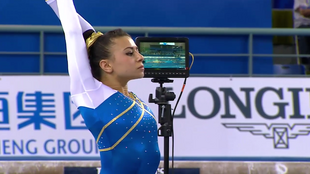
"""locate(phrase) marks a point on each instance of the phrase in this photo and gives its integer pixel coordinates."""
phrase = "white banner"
(216, 117)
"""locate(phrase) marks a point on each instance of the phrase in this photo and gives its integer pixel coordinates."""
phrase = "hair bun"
(92, 39)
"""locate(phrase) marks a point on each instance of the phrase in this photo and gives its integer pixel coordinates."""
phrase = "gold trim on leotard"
(115, 118)
(134, 98)
(125, 135)
(146, 110)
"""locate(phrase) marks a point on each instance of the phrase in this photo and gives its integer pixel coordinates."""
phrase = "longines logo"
(250, 103)
(279, 132)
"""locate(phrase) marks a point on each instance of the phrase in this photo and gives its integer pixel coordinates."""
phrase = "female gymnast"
(100, 65)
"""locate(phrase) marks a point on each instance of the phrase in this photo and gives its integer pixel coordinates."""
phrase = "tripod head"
(164, 108)
(162, 96)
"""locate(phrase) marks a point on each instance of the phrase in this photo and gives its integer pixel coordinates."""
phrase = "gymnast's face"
(126, 62)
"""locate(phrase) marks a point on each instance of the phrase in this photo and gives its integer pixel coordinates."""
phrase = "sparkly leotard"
(124, 128)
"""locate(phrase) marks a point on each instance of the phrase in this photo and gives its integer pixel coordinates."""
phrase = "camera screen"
(162, 55)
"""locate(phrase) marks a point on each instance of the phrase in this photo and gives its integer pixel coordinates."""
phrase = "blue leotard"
(126, 135)
(125, 128)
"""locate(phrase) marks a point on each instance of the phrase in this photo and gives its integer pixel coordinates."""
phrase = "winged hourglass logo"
(279, 132)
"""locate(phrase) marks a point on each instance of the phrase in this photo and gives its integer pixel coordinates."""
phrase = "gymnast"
(100, 66)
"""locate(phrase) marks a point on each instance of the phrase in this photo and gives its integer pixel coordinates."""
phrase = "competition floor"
(57, 167)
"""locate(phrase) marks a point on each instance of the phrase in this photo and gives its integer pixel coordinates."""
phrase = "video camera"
(164, 57)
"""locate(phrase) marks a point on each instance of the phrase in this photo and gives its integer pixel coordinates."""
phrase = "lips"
(141, 67)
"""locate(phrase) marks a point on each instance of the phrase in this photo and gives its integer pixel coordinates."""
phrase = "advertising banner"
(216, 118)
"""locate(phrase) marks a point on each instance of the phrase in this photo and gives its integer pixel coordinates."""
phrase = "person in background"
(302, 20)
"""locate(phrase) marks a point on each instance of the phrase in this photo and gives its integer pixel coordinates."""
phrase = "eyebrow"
(132, 48)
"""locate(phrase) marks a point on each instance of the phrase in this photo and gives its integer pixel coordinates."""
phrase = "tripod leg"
(166, 154)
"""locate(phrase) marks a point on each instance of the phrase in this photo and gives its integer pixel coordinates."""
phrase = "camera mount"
(162, 98)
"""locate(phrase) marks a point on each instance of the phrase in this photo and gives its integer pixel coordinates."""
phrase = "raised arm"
(81, 79)
(84, 24)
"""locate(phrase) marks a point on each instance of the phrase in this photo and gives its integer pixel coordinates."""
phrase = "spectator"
(302, 20)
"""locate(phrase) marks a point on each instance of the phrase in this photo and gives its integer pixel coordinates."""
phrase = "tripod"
(162, 99)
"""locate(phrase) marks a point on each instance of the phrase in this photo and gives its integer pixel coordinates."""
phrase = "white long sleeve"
(80, 74)
(85, 89)
(84, 24)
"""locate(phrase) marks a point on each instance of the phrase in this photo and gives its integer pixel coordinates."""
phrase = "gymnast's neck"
(116, 84)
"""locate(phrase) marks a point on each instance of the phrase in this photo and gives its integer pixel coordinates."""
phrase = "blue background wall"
(283, 4)
(172, 13)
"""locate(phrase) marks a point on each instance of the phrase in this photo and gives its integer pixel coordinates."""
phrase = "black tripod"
(164, 115)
